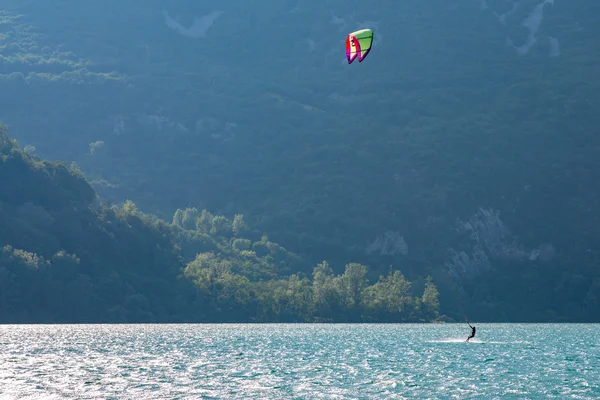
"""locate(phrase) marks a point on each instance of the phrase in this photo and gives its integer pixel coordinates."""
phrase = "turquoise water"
(299, 361)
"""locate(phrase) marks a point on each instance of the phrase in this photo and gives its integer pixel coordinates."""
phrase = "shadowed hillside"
(464, 147)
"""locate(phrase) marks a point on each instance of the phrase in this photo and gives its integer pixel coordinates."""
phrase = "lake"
(300, 361)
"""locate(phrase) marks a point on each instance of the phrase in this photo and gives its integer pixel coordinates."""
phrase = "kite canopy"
(358, 44)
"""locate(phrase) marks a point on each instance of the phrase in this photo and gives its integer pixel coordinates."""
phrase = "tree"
(430, 298)
(238, 226)
(327, 292)
(354, 282)
(389, 299)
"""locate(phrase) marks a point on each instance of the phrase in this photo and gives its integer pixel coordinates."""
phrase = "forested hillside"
(65, 257)
(464, 147)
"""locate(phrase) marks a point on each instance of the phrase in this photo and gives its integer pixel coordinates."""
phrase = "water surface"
(299, 361)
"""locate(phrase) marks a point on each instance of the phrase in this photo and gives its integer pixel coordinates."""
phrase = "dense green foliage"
(66, 258)
(464, 147)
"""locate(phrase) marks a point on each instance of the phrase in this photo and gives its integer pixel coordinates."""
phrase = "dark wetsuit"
(472, 333)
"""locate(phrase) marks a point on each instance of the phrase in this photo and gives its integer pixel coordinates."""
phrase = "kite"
(358, 44)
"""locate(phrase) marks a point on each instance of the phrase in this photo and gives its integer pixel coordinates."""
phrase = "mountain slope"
(478, 111)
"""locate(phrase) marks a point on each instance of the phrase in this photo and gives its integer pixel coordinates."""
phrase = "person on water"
(472, 332)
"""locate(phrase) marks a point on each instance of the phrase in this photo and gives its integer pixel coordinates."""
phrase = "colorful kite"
(358, 44)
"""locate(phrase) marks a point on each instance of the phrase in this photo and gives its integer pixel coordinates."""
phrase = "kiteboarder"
(472, 332)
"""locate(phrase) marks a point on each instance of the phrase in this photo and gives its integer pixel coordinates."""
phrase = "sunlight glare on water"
(299, 361)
